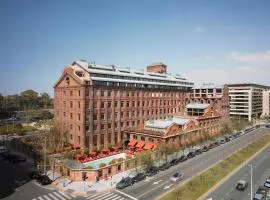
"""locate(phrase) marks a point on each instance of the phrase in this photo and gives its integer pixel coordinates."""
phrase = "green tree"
(146, 159)
(29, 99)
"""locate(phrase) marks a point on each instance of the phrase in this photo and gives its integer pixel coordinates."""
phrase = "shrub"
(102, 164)
(89, 167)
(112, 162)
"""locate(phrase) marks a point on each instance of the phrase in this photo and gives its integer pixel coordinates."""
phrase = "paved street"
(155, 186)
(261, 170)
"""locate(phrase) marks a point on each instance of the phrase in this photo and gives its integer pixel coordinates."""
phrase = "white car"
(267, 182)
(177, 176)
(3, 149)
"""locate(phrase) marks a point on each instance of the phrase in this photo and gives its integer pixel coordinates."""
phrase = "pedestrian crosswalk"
(54, 196)
(106, 196)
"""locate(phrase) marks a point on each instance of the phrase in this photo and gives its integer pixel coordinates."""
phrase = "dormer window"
(79, 73)
(67, 81)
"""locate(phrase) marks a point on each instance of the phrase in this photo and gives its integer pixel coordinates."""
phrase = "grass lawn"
(200, 184)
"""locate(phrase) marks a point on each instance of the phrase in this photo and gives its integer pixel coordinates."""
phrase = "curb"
(201, 172)
(232, 173)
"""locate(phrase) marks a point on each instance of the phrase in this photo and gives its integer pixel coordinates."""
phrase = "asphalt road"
(261, 170)
(155, 186)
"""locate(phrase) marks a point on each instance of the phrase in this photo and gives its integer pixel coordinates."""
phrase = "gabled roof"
(198, 105)
(180, 120)
(159, 124)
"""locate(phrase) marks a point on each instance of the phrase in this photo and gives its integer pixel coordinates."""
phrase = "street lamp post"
(45, 156)
(251, 181)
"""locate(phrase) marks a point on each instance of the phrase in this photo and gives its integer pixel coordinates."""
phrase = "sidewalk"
(81, 188)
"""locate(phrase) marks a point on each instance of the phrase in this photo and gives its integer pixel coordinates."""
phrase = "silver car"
(177, 176)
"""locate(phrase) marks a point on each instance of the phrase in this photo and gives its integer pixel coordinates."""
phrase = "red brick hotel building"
(95, 104)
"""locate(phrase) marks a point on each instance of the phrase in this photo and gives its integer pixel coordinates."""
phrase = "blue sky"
(203, 40)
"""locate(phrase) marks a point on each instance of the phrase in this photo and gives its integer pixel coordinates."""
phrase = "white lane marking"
(65, 195)
(168, 186)
(104, 196)
(157, 182)
(94, 195)
(117, 197)
(46, 197)
(40, 198)
(34, 199)
(58, 195)
(131, 197)
(51, 195)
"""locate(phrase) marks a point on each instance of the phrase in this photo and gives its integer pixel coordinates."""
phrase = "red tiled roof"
(140, 144)
(148, 146)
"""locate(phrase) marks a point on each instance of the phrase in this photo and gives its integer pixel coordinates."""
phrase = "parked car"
(267, 182)
(3, 150)
(125, 182)
(212, 145)
(191, 154)
(259, 196)
(262, 190)
(151, 171)
(138, 177)
(222, 141)
(205, 149)
(44, 180)
(177, 176)
(241, 185)
(174, 162)
(227, 139)
(198, 151)
(182, 158)
(165, 166)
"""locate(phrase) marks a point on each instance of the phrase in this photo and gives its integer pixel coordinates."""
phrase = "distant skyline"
(203, 40)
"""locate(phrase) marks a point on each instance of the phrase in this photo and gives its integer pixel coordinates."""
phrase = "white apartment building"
(246, 100)
(266, 103)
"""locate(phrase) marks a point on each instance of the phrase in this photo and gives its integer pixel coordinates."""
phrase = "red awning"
(93, 153)
(140, 144)
(132, 143)
(131, 147)
(105, 150)
(116, 147)
(148, 146)
(139, 149)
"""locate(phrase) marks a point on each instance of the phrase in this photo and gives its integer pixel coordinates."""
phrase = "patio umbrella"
(93, 153)
(105, 150)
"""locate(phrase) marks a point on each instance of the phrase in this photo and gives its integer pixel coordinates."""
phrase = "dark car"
(222, 141)
(191, 154)
(19, 158)
(44, 180)
(165, 166)
(227, 139)
(151, 171)
(198, 151)
(205, 149)
(182, 158)
(241, 185)
(125, 182)
(212, 145)
(174, 162)
(138, 177)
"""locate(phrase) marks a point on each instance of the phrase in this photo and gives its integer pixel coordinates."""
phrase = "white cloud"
(240, 74)
(255, 58)
(200, 29)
